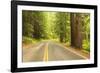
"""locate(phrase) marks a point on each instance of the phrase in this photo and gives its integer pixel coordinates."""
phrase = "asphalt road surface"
(49, 51)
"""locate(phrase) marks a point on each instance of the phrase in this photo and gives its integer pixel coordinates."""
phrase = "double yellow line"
(45, 58)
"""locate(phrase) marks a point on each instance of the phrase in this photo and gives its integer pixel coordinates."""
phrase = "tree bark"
(76, 27)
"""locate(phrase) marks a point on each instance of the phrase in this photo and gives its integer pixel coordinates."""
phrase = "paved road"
(49, 51)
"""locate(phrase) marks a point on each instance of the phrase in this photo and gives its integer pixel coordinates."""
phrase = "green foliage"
(33, 24)
(86, 26)
(86, 31)
(62, 26)
(27, 25)
(27, 40)
(86, 45)
(55, 26)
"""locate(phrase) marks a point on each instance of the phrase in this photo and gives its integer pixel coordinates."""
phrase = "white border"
(53, 63)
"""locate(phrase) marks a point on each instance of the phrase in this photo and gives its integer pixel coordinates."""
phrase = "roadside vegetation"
(71, 29)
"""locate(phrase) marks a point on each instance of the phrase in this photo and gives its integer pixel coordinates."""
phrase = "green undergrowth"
(28, 40)
(86, 45)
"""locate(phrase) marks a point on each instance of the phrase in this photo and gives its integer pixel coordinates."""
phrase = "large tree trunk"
(76, 35)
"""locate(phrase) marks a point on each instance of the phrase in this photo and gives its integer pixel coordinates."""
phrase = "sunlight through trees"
(63, 27)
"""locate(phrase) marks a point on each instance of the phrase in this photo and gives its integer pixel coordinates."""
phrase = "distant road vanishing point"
(49, 51)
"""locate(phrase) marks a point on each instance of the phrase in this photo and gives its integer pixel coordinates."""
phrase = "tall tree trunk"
(76, 35)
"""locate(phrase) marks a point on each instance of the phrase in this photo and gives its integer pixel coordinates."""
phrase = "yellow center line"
(45, 58)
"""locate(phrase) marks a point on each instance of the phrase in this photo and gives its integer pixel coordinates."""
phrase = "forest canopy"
(63, 27)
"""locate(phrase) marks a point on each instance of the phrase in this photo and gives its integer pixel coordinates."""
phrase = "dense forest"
(64, 27)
